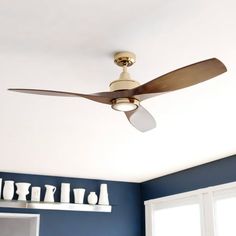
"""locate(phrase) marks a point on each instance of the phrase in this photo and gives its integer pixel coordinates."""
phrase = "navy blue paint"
(125, 219)
(210, 174)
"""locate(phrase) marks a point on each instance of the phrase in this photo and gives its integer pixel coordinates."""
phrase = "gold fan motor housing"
(124, 59)
(123, 84)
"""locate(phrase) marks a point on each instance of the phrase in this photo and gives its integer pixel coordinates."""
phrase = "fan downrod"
(124, 59)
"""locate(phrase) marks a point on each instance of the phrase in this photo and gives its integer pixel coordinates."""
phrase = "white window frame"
(35, 220)
(205, 197)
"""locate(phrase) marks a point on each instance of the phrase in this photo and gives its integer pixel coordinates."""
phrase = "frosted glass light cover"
(125, 106)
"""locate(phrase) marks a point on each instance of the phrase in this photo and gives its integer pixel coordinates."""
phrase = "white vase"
(22, 190)
(49, 195)
(92, 198)
(103, 196)
(0, 188)
(65, 192)
(79, 195)
(35, 194)
(8, 190)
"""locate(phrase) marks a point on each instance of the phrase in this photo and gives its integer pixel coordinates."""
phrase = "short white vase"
(79, 195)
(22, 190)
(92, 198)
(8, 190)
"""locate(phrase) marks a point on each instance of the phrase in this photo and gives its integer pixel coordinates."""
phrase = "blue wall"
(210, 174)
(125, 219)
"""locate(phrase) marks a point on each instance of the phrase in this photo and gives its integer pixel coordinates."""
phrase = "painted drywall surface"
(210, 174)
(125, 219)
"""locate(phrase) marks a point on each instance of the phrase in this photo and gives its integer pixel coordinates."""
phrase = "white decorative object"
(49, 195)
(8, 190)
(79, 195)
(103, 196)
(92, 198)
(65, 192)
(35, 194)
(22, 190)
(0, 188)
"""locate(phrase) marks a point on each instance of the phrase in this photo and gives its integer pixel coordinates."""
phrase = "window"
(204, 212)
(181, 220)
(225, 212)
(15, 224)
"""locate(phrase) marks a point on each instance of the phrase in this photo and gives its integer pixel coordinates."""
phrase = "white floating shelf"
(55, 206)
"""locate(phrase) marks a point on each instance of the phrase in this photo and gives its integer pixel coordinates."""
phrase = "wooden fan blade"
(104, 97)
(141, 119)
(182, 78)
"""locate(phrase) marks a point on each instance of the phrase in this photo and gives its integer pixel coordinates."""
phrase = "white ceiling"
(68, 46)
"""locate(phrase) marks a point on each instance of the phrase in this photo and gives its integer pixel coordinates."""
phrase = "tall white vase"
(65, 192)
(103, 196)
(8, 190)
(0, 188)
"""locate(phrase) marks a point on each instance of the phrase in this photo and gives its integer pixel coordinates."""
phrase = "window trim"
(204, 196)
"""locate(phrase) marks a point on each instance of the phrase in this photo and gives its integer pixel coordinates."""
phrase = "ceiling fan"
(126, 94)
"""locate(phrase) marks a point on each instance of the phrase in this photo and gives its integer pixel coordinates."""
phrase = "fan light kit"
(126, 94)
(125, 104)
